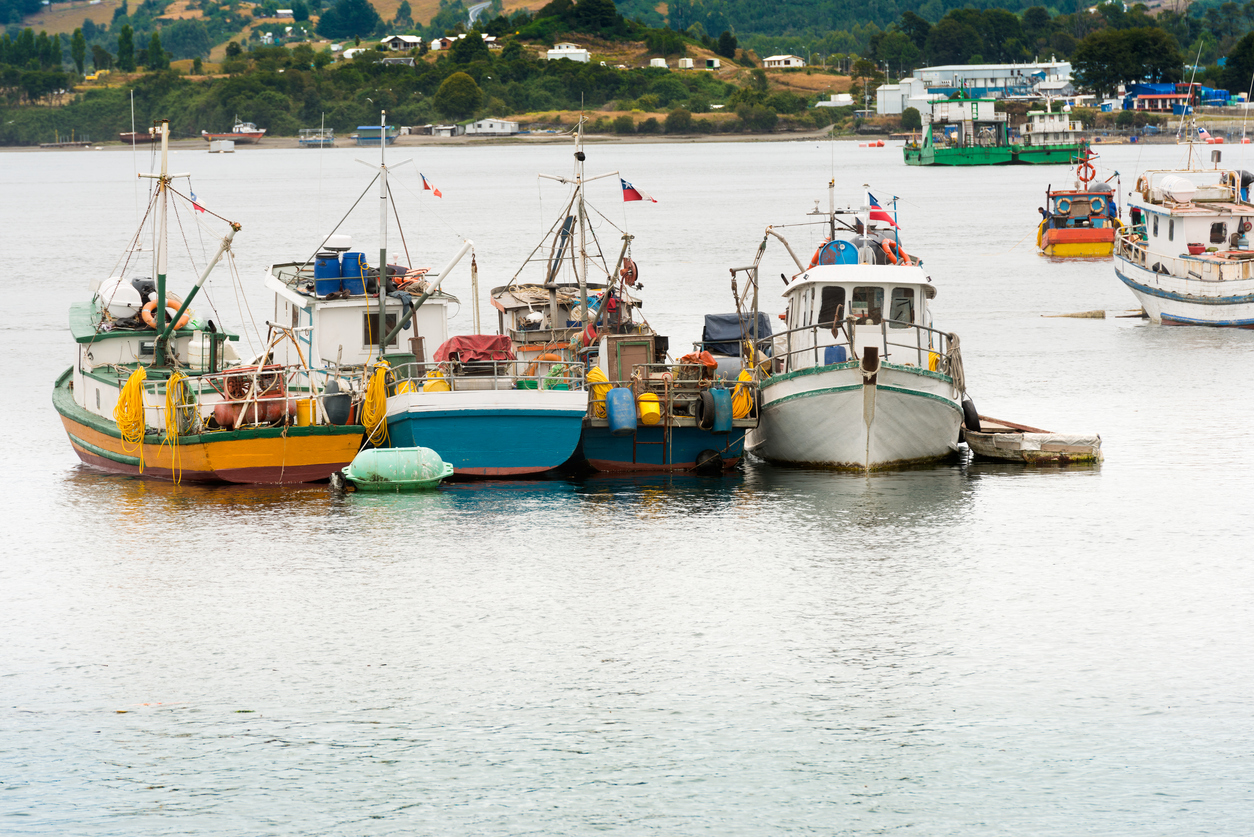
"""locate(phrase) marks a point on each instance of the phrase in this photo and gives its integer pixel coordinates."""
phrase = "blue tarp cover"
(723, 332)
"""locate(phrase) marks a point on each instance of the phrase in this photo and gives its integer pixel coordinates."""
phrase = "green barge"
(964, 131)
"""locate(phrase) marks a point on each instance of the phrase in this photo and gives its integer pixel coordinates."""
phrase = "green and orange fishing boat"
(156, 392)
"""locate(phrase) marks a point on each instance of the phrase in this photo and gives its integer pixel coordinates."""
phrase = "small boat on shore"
(991, 438)
(241, 132)
(317, 138)
(139, 137)
(1080, 221)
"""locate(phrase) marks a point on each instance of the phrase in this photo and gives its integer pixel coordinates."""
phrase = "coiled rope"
(374, 410)
(176, 400)
(129, 414)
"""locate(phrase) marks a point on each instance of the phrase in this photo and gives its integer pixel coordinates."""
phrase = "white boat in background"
(860, 379)
(1188, 259)
(241, 132)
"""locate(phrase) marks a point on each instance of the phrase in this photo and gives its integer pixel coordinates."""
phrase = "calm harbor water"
(970, 649)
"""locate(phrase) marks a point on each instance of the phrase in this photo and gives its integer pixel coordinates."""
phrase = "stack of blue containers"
(327, 273)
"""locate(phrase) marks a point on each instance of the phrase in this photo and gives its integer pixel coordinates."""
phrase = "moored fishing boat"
(162, 394)
(241, 132)
(1080, 221)
(1186, 254)
(966, 131)
(467, 397)
(860, 379)
(643, 414)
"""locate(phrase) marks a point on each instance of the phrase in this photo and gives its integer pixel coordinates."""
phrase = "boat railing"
(458, 376)
(899, 341)
(264, 394)
(677, 390)
(1207, 266)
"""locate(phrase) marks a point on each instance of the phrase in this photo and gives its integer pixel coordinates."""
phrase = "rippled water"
(969, 649)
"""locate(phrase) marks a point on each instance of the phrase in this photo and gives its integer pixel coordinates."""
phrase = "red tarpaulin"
(472, 347)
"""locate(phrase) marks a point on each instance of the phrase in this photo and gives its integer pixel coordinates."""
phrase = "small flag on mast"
(877, 212)
(195, 205)
(631, 193)
(428, 187)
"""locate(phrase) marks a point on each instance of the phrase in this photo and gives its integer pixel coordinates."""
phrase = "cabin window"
(368, 337)
(1218, 232)
(295, 316)
(1155, 226)
(902, 310)
(867, 304)
(1171, 229)
(832, 304)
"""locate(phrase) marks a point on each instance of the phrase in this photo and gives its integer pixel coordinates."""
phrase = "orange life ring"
(894, 252)
(815, 260)
(535, 366)
(630, 273)
(1086, 171)
(148, 314)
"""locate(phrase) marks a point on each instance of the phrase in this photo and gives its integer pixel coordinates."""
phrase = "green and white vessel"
(965, 131)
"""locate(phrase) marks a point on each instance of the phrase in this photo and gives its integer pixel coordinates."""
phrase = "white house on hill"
(401, 43)
(566, 50)
(783, 61)
(492, 127)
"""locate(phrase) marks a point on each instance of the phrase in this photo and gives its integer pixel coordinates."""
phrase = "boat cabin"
(341, 330)
(835, 312)
(1195, 210)
(1047, 128)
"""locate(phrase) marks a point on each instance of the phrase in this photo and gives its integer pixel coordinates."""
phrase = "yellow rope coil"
(177, 397)
(374, 410)
(600, 386)
(742, 396)
(129, 414)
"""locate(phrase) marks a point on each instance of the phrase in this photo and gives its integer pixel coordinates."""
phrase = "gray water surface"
(971, 649)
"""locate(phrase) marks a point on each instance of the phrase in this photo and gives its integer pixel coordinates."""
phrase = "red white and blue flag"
(1203, 133)
(195, 204)
(878, 213)
(426, 185)
(631, 193)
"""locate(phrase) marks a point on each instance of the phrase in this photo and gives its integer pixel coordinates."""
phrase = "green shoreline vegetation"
(46, 92)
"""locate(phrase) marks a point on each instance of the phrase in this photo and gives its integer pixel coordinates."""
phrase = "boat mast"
(383, 233)
(583, 247)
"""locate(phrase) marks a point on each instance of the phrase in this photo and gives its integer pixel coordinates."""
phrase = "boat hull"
(243, 139)
(491, 433)
(653, 449)
(1173, 300)
(931, 156)
(824, 417)
(1078, 243)
(263, 455)
(1048, 155)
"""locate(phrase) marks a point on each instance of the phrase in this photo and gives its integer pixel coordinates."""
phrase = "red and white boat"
(241, 132)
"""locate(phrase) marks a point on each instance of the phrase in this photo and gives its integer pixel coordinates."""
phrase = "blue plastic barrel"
(352, 267)
(834, 354)
(326, 273)
(722, 411)
(620, 407)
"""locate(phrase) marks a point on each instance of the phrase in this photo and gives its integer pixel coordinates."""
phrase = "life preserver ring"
(1245, 226)
(149, 315)
(1097, 205)
(895, 252)
(1085, 171)
(534, 368)
(1064, 205)
(630, 273)
(815, 260)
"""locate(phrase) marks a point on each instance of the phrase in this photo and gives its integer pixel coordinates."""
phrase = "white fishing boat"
(860, 378)
(1186, 255)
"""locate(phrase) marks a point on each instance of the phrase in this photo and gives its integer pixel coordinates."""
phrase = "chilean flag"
(1203, 134)
(631, 193)
(195, 204)
(877, 213)
(428, 187)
